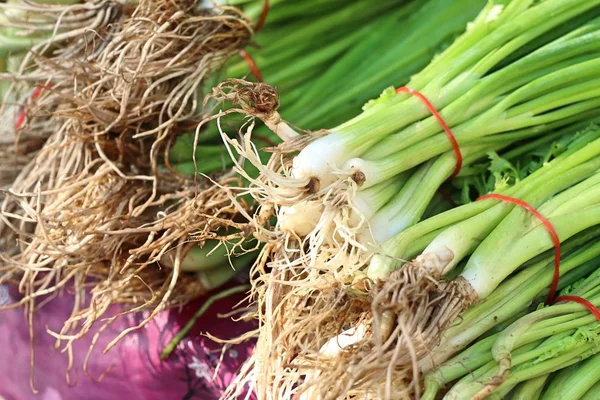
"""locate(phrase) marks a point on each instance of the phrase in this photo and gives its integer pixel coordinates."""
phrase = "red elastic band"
(592, 308)
(444, 125)
(20, 120)
(548, 226)
(253, 67)
(37, 92)
(263, 16)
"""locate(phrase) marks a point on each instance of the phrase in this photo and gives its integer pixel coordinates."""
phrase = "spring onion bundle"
(409, 311)
(529, 350)
(398, 28)
(50, 29)
(209, 155)
(346, 199)
(339, 64)
(95, 211)
(530, 287)
(577, 382)
(368, 281)
(477, 99)
(133, 235)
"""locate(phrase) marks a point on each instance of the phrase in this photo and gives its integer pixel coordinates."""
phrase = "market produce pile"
(413, 183)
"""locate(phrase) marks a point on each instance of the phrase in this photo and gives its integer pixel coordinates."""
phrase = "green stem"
(516, 295)
(188, 327)
(531, 389)
(527, 237)
(592, 394)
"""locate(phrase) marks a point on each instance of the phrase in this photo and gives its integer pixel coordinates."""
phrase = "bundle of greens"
(395, 27)
(402, 330)
(38, 29)
(346, 65)
(518, 360)
(346, 199)
(95, 211)
(333, 60)
(579, 381)
(133, 163)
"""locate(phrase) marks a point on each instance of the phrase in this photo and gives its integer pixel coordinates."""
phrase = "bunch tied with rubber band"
(102, 93)
(111, 189)
(363, 278)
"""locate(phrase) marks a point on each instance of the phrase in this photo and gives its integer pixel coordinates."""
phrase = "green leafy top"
(499, 171)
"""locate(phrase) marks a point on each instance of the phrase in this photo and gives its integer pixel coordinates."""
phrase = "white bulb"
(319, 159)
(301, 218)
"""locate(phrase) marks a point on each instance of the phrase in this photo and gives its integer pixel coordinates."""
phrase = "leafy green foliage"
(500, 171)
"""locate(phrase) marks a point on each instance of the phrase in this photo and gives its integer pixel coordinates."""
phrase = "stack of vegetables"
(90, 208)
(325, 39)
(347, 87)
(404, 253)
(113, 211)
(342, 312)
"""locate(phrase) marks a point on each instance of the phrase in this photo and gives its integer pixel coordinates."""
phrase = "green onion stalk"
(530, 389)
(484, 92)
(562, 340)
(398, 28)
(338, 63)
(510, 301)
(576, 382)
(313, 35)
(592, 393)
(408, 312)
(522, 69)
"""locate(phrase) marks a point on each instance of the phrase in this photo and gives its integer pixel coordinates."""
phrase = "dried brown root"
(299, 309)
(408, 313)
(257, 100)
(423, 308)
(94, 211)
(73, 31)
(304, 286)
(307, 289)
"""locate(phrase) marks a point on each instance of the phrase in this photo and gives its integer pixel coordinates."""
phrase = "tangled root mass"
(90, 207)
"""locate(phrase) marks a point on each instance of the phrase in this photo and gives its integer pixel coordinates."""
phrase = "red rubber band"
(592, 308)
(444, 125)
(20, 120)
(253, 67)
(37, 92)
(551, 230)
(263, 16)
